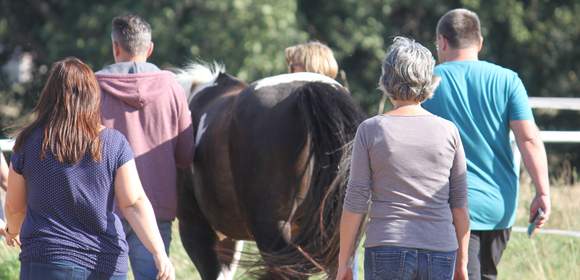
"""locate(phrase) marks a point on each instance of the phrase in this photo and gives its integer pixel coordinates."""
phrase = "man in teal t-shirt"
(485, 101)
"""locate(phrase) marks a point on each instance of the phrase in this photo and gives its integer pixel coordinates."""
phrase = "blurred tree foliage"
(249, 36)
(536, 38)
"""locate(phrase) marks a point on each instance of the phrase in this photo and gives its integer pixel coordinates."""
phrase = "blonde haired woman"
(311, 57)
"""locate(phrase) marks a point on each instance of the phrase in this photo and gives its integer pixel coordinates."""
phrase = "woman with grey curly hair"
(408, 173)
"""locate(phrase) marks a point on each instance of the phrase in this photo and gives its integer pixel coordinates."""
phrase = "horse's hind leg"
(199, 243)
(197, 236)
(213, 259)
(230, 252)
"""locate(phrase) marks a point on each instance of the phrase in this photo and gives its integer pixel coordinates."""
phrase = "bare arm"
(15, 208)
(534, 157)
(458, 204)
(461, 224)
(138, 211)
(350, 223)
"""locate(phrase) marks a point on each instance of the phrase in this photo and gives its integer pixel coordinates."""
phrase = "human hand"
(164, 267)
(344, 273)
(12, 239)
(540, 201)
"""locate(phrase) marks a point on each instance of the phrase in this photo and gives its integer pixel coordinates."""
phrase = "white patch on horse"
(200, 129)
(199, 75)
(228, 273)
(294, 77)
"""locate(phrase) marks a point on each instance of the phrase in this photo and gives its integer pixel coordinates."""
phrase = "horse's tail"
(331, 118)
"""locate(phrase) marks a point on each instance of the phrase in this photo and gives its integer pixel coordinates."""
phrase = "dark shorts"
(485, 251)
(399, 263)
(62, 271)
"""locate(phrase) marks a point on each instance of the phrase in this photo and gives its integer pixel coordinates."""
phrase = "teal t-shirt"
(481, 98)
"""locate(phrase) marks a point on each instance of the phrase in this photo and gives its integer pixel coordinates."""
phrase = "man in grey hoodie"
(150, 108)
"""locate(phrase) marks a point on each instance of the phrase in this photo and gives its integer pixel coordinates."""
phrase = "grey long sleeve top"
(412, 171)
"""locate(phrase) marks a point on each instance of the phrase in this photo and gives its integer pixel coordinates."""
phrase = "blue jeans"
(398, 263)
(142, 262)
(62, 271)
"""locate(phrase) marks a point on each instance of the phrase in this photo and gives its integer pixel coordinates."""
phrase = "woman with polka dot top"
(66, 175)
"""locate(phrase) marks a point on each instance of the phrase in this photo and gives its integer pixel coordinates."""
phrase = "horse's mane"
(198, 75)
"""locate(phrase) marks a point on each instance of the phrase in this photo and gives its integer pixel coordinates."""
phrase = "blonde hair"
(313, 57)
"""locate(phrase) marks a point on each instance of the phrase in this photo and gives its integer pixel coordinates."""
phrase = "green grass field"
(543, 257)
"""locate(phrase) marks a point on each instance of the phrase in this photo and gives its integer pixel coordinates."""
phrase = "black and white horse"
(270, 165)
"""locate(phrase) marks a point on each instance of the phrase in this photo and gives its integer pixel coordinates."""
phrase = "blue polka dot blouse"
(69, 214)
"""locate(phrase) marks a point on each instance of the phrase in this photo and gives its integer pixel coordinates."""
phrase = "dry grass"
(545, 256)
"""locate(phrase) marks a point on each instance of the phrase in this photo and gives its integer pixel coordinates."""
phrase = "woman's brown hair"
(68, 112)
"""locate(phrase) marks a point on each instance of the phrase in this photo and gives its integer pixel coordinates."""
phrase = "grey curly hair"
(407, 71)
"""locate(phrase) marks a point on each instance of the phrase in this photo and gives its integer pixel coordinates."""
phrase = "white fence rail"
(557, 103)
(551, 231)
(560, 136)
